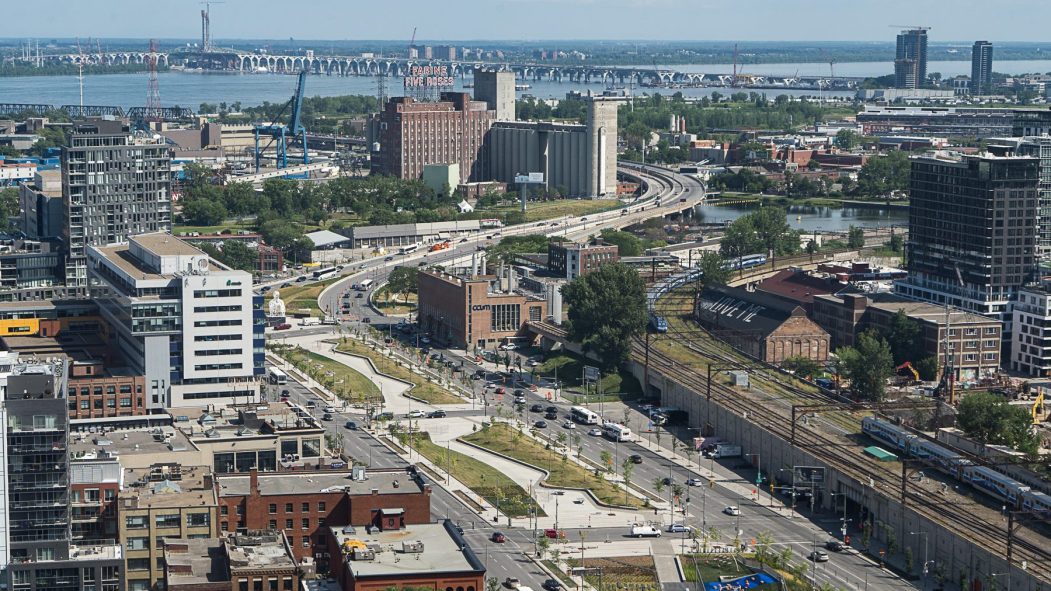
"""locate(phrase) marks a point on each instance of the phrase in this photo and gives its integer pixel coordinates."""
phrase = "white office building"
(191, 325)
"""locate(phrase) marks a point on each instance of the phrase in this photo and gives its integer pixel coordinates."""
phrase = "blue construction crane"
(281, 133)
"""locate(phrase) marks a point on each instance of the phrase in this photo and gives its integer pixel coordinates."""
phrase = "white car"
(416, 414)
(694, 481)
(569, 425)
(732, 510)
(595, 432)
(330, 409)
(508, 347)
(533, 363)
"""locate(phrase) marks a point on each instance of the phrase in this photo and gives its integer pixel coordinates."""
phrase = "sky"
(693, 20)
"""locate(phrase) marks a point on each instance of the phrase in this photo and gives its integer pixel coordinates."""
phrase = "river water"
(190, 89)
(818, 219)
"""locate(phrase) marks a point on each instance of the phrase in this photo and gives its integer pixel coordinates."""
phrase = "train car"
(996, 484)
(1037, 502)
(899, 437)
(944, 458)
(658, 322)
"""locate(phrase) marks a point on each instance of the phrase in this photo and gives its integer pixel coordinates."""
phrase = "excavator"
(908, 365)
(1038, 408)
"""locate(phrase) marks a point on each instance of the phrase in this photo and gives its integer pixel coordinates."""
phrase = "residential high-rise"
(910, 59)
(1038, 146)
(192, 326)
(497, 89)
(37, 550)
(981, 67)
(972, 229)
(115, 183)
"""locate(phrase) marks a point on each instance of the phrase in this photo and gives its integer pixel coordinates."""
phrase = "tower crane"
(283, 134)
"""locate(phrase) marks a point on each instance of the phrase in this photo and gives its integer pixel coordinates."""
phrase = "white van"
(645, 531)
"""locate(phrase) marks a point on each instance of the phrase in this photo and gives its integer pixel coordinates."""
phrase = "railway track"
(841, 454)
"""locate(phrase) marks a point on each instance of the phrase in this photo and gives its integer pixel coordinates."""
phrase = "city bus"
(325, 273)
(409, 249)
(616, 432)
(277, 376)
(583, 416)
(364, 285)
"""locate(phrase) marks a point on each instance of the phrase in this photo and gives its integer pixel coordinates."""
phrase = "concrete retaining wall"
(953, 556)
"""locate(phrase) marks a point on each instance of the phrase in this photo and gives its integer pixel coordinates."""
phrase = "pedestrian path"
(664, 561)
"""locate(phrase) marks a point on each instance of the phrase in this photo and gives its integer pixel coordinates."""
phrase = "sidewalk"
(744, 490)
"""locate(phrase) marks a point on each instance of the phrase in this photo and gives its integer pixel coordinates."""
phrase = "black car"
(551, 416)
(385, 416)
(551, 409)
(351, 425)
(436, 414)
(666, 481)
(359, 296)
(835, 545)
(540, 424)
(552, 585)
(636, 459)
(536, 408)
(301, 279)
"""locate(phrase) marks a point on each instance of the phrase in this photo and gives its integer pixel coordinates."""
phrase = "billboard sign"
(429, 77)
(533, 178)
(591, 373)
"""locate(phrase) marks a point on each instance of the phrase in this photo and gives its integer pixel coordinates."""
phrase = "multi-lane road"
(798, 530)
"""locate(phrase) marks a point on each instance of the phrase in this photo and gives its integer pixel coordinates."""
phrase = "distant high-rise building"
(115, 184)
(910, 60)
(981, 67)
(497, 89)
(972, 229)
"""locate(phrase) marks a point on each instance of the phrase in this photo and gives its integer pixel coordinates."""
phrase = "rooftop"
(164, 244)
(798, 286)
(384, 482)
(426, 548)
(99, 552)
(194, 561)
(258, 549)
(213, 560)
(923, 311)
(752, 312)
(133, 441)
(167, 485)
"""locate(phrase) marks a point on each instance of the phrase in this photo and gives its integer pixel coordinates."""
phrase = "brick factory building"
(306, 505)
(414, 134)
(474, 311)
(761, 325)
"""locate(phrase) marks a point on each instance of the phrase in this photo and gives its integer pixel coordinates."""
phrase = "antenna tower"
(153, 93)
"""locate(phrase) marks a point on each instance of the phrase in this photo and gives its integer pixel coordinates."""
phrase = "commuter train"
(987, 480)
(745, 262)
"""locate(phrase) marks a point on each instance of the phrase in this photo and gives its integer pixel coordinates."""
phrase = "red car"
(500, 390)
(283, 327)
(555, 534)
(498, 537)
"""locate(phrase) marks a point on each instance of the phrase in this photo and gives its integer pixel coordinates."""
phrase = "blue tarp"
(746, 582)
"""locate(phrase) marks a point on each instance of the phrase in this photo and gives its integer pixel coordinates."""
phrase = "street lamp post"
(926, 563)
(1006, 574)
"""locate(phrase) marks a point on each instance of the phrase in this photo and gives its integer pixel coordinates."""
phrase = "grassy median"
(503, 439)
(491, 484)
(348, 384)
(427, 391)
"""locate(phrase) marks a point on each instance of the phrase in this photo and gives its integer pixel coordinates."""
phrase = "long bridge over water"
(399, 67)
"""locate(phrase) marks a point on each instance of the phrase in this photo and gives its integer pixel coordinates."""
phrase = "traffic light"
(846, 539)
